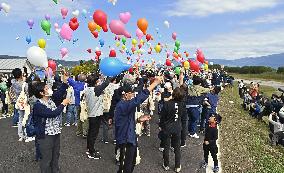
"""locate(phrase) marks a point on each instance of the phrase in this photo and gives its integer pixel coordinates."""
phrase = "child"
(209, 145)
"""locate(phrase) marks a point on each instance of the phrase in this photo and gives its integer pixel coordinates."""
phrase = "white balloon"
(37, 56)
(76, 13)
(6, 7)
(167, 23)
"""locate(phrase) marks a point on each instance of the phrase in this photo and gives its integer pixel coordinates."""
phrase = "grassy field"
(265, 76)
(244, 140)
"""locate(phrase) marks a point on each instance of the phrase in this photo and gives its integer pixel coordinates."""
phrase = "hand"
(66, 102)
(206, 142)
(109, 121)
(158, 80)
(144, 118)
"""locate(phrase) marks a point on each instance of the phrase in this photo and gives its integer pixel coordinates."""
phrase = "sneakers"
(204, 165)
(21, 139)
(96, 151)
(114, 142)
(84, 136)
(67, 124)
(148, 134)
(74, 124)
(15, 125)
(166, 168)
(178, 169)
(194, 136)
(105, 142)
(183, 145)
(216, 169)
(161, 149)
(94, 156)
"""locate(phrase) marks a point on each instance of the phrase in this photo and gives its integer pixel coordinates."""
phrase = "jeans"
(21, 131)
(71, 114)
(15, 115)
(194, 116)
(94, 127)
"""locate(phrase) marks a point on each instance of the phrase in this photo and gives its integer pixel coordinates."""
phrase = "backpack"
(22, 99)
(30, 126)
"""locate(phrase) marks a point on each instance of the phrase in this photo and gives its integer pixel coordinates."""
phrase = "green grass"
(279, 77)
(244, 140)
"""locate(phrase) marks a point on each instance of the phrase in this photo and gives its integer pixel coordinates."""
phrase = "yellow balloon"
(41, 43)
(123, 47)
(142, 42)
(117, 44)
(158, 48)
(98, 28)
(206, 67)
(134, 41)
(186, 65)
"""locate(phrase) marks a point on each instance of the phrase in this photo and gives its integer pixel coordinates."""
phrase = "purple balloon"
(30, 23)
(47, 17)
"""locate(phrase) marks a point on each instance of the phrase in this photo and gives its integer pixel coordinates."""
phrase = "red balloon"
(133, 49)
(98, 53)
(130, 70)
(52, 65)
(194, 66)
(128, 58)
(148, 37)
(100, 18)
(200, 57)
(168, 62)
(95, 34)
(74, 24)
(140, 45)
(89, 50)
(112, 53)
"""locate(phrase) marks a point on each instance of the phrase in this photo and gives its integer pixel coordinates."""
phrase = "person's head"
(81, 77)
(178, 94)
(168, 86)
(17, 73)
(216, 90)
(92, 80)
(196, 80)
(128, 92)
(42, 90)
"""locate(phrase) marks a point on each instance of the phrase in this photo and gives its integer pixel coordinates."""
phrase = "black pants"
(174, 140)
(127, 158)
(94, 127)
(213, 149)
(184, 133)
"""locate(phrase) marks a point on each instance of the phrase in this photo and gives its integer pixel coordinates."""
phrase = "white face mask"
(49, 92)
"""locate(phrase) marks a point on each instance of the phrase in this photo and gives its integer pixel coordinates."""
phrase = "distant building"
(8, 63)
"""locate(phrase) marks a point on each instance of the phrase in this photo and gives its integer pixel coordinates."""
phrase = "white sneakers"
(29, 139)
(194, 136)
(166, 167)
(21, 139)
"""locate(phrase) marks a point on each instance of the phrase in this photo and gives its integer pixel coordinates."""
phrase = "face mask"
(49, 92)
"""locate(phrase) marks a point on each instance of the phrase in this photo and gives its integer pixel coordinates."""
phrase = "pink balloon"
(66, 32)
(64, 12)
(118, 28)
(139, 34)
(125, 17)
(63, 52)
(56, 25)
(174, 36)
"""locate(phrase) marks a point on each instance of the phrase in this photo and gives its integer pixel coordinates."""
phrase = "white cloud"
(246, 43)
(208, 7)
(269, 18)
(22, 10)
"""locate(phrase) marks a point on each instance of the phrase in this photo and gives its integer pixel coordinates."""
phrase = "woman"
(173, 115)
(47, 124)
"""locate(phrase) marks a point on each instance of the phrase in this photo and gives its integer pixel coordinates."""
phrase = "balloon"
(75, 40)
(112, 66)
(142, 24)
(118, 28)
(45, 25)
(139, 46)
(186, 54)
(139, 34)
(66, 32)
(177, 44)
(112, 53)
(168, 62)
(194, 66)
(123, 47)
(52, 65)
(41, 43)
(48, 72)
(28, 39)
(74, 23)
(64, 12)
(56, 25)
(174, 36)
(167, 24)
(37, 56)
(55, 1)
(47, 17)
(206, 62)
(98, 53)
(89, 50)
(177, 70)
(125, 17)
(100, 18)
(186, 65)
(176, 50)
(134, 42)
(84, 13)
(5, 7)
(95, 34)
(92, 26)
(200, 57)
(30, 23)
(64, 52)
(76, 13)
(175, 55)
(112, 1)
(148, 37)
(133, 49)
(123, 40)
(206, 67)
(117, 44)
(101, 42)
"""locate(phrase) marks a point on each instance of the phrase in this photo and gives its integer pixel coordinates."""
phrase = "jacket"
(196, 95)
(124, 118)
(211, 135)
(78, 87)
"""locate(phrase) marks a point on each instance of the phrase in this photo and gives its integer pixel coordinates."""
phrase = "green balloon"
(176, 50)
(55, 1)
(45, 25)
(123, 40)
(177, 70)
(177, 44)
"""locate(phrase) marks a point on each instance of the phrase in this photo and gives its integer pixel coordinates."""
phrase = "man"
(241, 86)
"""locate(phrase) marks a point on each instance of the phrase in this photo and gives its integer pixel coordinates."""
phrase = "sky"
(223, 29)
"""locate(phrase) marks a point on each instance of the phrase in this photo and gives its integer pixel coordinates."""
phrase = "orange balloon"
(142, 24)
(206, 62)
(92, 26)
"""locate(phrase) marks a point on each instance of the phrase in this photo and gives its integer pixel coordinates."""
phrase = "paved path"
(18, 157)
(273, 84)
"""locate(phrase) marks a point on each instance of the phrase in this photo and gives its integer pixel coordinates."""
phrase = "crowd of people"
(259, 106)
(186, 106)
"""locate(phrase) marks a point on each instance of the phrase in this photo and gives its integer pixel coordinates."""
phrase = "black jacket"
(211, 135)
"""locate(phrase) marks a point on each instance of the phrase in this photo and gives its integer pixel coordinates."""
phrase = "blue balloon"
(112, 66)
(28, 39)
(102, 42)
(84, 13)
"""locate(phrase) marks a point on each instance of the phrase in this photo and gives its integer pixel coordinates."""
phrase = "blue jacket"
(40, 112)
(213, 100)
(124, 116)
(78, 87)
